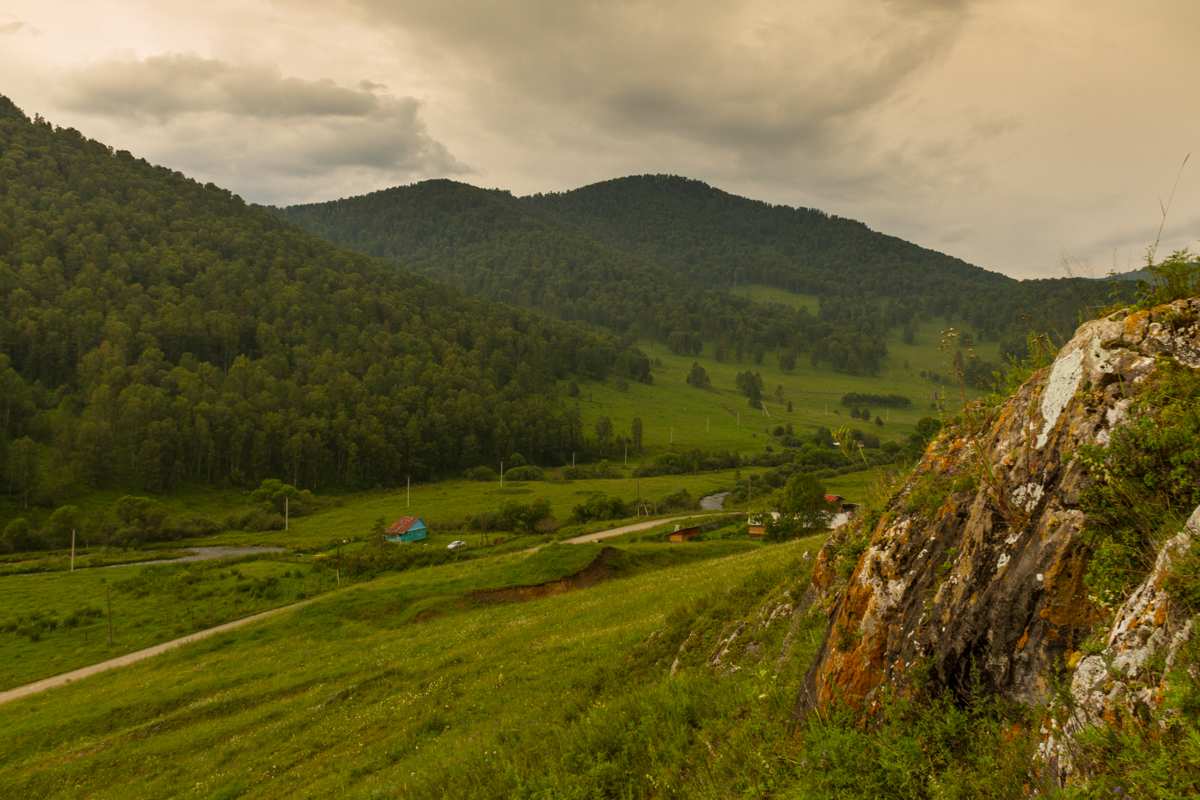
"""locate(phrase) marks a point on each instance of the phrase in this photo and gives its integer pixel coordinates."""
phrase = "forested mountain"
(159, 330)
(662, 257)
(493, 244)
(721, 240)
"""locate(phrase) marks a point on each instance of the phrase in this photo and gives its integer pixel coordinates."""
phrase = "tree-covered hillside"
(493, 244)
(157, 330)
(663, 257)
(721, 240)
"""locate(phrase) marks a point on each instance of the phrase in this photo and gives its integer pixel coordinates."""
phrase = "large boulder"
(973, 575)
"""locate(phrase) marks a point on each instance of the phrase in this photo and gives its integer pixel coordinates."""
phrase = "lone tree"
(802, 509)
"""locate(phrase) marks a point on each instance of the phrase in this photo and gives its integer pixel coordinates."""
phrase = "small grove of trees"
(854, 399)
(600, 506)
(802, 509)
(751, 385)
(524, 517)
(698, 378)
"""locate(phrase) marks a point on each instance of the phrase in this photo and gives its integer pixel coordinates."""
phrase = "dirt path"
(636, 526)
(129, 658)
(208, 553)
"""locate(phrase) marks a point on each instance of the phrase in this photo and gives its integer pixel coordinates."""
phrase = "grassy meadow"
(675, 414)
(359, 694)
(56, 622)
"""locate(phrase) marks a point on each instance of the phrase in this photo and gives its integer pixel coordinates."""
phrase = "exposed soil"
(599, 570)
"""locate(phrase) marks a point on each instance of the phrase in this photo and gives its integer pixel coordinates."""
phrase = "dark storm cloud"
(254, 125)
(168, 85)
(757, 76)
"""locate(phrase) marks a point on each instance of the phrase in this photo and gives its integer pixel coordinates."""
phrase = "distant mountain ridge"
(721, 238)
(505, 248)
(630, 254)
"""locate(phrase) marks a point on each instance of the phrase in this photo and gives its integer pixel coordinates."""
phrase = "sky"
(1018, 135)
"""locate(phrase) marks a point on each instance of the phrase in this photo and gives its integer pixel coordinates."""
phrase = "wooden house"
(758, 525)
(406, 529)
(681, 534)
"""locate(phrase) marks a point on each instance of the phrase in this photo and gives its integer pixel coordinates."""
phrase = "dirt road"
(637, 526)
(129, 658)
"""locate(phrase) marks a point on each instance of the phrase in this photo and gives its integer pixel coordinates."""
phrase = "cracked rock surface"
(984, 585)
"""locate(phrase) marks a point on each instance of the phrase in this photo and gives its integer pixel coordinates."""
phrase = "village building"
(406, 529)
(840, 512)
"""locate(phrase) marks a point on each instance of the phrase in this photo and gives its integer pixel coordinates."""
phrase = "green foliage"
(802, 509)
(1149, 753)
(1145, 483)
(530, 252)
(57, 622)
(1183, 579)
(173, 334)
(1174, 278)
(853, 399)
(600, 506)
(698, 378)
(523, 517)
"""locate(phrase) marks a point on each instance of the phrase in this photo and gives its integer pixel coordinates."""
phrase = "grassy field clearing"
(675, 414)
(56, 622)
(459, 501)
(348, 696)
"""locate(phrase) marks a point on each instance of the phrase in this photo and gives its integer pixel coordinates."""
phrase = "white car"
(456, 544)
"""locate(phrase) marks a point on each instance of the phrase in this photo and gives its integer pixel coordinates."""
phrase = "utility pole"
(501, 474)
(72, 549)
(285, 512)
(672, 434)
(639, 488)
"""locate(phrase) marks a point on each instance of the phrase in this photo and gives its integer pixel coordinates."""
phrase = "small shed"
(683, 534)
(758, 525)
(406, 529)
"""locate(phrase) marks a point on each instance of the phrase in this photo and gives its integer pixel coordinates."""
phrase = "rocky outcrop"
(1127, 677)
(973, 576)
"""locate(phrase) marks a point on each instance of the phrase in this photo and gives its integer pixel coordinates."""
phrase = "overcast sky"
(1009, 133)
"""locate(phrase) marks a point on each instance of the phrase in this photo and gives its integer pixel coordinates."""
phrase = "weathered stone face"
(987, 589)
(1115, 682)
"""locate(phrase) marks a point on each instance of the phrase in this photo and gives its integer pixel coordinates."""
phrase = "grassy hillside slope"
(352, 696)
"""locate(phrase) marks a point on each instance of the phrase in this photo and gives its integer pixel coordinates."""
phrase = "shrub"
(1144, 482)
(480, 474)
(599, 507)
(527, 473)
